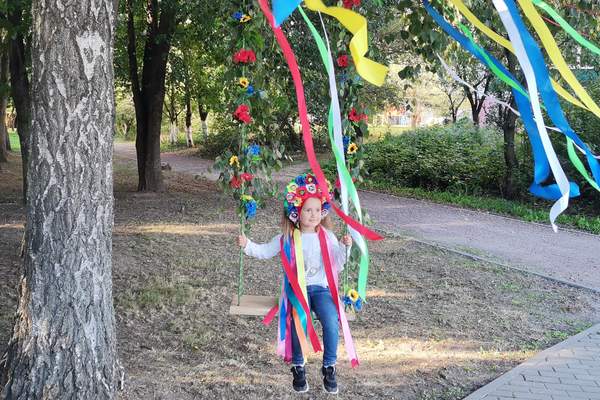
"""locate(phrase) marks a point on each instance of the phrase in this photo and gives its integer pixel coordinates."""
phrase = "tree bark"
(4, 141)
(19, 86)
(63, 344)
(203, 116)
(149, 94)
(508, 130)
(188, 115)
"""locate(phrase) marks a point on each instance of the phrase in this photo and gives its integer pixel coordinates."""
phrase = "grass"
(13, 138)
(523, 211)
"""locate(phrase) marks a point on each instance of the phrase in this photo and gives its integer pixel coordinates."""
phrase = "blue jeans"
(321, 302)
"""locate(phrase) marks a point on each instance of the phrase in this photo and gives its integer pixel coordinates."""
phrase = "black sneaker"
(329, 379)
(299, 383)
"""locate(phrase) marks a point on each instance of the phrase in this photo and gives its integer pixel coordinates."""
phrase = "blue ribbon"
(549, 96)
(541, 164)
(283, 8)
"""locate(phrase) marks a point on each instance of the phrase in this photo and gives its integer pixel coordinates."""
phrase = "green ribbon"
(345, 176)
(568, 28)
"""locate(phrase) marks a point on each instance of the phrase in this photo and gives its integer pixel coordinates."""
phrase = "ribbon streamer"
(335, 137)
(306, 133)
(514, 33)
(507, 45)
(567, 28)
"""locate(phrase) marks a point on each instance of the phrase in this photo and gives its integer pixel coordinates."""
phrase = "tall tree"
(149, 91)
(4, 93)
(63, 342)
(18, 19)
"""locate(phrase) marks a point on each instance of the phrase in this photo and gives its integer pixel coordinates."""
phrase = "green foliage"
(457, 157)
(13, 137)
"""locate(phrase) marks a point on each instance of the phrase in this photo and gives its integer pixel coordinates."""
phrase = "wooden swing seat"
(260, 306)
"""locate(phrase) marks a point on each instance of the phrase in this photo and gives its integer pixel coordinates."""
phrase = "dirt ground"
(436, 326)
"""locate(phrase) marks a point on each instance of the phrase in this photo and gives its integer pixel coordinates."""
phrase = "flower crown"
(298, 190)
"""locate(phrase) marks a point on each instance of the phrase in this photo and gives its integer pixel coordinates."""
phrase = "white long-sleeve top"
(311, 250)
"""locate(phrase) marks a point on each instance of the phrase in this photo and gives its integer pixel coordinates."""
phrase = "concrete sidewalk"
(568, 370)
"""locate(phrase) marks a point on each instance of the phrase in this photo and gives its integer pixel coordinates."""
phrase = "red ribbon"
(290, 58)
(293, 280)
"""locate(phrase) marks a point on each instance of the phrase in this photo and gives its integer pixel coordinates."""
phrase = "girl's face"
(310, 215)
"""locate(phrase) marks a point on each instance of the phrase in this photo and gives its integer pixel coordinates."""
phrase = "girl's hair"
(287, 226)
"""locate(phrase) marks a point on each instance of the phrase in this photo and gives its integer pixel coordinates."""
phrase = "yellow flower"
(234, 160)
(353, 294)
(244, 82)
(352, 148)
(246, 197)
(245, 18)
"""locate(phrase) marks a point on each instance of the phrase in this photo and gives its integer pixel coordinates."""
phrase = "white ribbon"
(561, 179)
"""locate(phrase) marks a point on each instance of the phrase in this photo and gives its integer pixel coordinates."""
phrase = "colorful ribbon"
(514, 32)
(335, 137)
(567, 28)
(541, 163)
(306, 134)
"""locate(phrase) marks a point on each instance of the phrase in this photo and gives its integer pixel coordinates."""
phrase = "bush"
(456, 157)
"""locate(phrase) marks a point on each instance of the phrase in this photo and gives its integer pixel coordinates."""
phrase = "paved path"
(569, 370)
(569, 256)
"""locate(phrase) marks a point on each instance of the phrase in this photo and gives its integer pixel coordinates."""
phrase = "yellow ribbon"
(359, 44)
(507, 45)
(554, 53)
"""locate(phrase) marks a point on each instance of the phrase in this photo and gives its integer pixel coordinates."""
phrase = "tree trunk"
(203, 117)
(4, 142)
(64, 341)
(19, 86)
(188, 116)
(508, 129)
(149, 94)
(173, 131)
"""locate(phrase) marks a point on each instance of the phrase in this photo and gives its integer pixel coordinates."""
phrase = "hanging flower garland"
(246, 174)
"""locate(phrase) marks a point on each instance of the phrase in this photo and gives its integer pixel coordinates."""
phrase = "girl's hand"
(242, 240)
(347, 240)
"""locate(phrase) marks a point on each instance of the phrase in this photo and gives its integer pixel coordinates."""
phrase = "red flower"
(342, 61)
(244, 56)
(351, 3)
(355, 117)
(246, 177)
(242, 114)
(235, 183)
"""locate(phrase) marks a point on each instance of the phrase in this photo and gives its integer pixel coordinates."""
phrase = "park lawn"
(436, 326)
(13, 137)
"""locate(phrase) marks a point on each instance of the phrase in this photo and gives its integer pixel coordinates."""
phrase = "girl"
(310, 281)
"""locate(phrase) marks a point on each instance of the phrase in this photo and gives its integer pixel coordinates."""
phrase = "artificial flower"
(244, 56)
(253, 150)
(235, 183)
(250, 90)
(353, 294)
(242, 114)
(246, 176)
(247, 197)
(250, 209)
(245, 18)
(311, 188)
(352, 148)
(347, 301)
(358, 304)
(355, 116)
(237, 15)
(291, 187)
(244, 82)
(346, 141)
(294, 216)
(351, 3)
(342, 61)
(234, 160)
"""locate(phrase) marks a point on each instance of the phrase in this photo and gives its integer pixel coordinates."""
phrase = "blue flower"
(237, 15)
(262, 94)
(250, 90)
(358, 304)
(300, 181)
(250, 208)
(347, 301)
(346, 140)
(253, 150)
